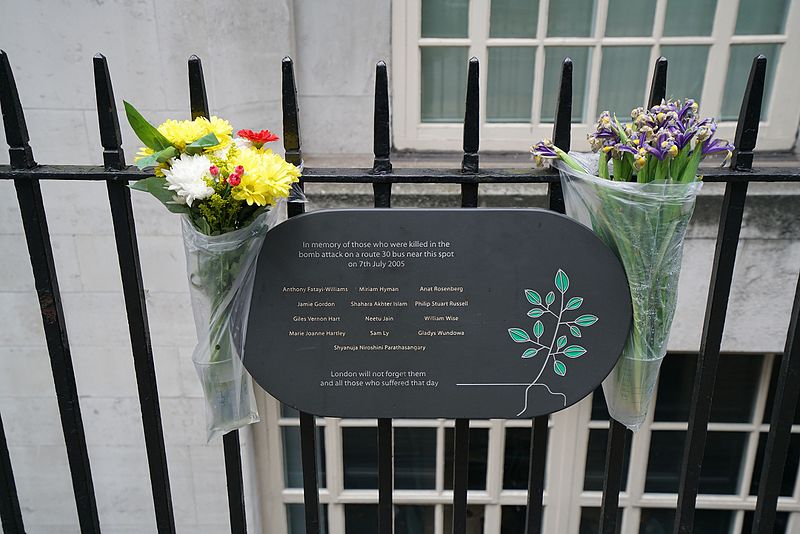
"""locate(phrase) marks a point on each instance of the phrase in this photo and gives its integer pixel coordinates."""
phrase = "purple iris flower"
(543, 149)
(663, 145)
(715, 146)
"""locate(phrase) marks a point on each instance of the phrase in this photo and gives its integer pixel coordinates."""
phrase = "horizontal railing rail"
(27, 174)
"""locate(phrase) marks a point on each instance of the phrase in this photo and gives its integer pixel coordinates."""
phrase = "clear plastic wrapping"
(645, 225)
(221, 271)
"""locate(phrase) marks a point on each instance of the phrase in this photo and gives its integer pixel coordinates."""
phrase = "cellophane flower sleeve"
(645, 225)
(221, 271)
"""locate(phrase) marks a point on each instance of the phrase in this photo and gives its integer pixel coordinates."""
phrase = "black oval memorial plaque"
(483, 313)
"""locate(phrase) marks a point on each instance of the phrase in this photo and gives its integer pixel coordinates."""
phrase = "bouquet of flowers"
(226, 189)
(637, 192)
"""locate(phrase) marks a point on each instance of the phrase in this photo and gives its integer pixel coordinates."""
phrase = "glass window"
(445, 18)
(590, 520)
(296, 518)
(630, 19)
(444, 78)
(514, 18)
(360, 518)
(517, 458)
(478, 450)
(360, 457)
(734, 390)
(596, 459)
(510, 83)
(689, 17)
(789, 470)
(687, 69)
(761, 17)
(722, 462)
(739, 63)
(570, 18)
(417, 519)
(623, 79)
(773, 383)
(512, 519)
(292, 458)
(414, 458)
(475, 519)
(581, 63)
(659, 521)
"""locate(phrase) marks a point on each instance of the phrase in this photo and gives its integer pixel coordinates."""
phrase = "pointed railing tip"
(381, 64)
(194, 57)
(98, 55)
(473, 60)
(286, 60)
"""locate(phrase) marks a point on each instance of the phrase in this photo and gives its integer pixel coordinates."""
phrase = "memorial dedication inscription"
(435, 313)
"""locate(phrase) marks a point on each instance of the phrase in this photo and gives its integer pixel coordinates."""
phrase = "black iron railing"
(26, 174)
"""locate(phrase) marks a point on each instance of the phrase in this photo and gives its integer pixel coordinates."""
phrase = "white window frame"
(566, 465)
(777, 132)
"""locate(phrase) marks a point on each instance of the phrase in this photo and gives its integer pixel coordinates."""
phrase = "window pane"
(360, 518)
(741, 58)
(781, 521)
(630, 19)
(570, 18)
(444, 78)
(475, 519)
(554, 57)
(514, 18)
(734, 389)
(510, 85)
(687, 67)
(789, 469)
(722, 462)
(292, 459)
(416, 519)
(415, 458)
(590, 520)
(761, 17)
(516, 458)
(596, 459)
(659, 521)
(689, 17)
(623, 79)
(296, 518)
(512, 519)
(773, 381)
(478, 450)
(360, 457)
(445, 18)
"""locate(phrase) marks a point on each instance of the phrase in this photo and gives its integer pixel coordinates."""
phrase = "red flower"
(258, 138)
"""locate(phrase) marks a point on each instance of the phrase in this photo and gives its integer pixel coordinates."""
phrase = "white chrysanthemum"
(186, 176)
(241, 143)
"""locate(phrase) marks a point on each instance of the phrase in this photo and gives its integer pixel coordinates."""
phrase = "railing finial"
(198, 99)
(562, 124)
(381, 140)
(19, 148)
(658, 85)
(110, 135)
(291, 121)
(472, 119)
(749, 116)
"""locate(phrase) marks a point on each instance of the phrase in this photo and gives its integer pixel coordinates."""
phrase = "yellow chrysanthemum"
(182, 133)
(145, 152)
(267, 177)
(221, 128)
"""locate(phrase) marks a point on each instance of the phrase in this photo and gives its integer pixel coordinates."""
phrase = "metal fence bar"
(719, 292)
(615, 450)
(119, 198)
(198, 104)
(460, 476)
(383, 199)
(470, 161)
(10, 513)
(308, 425)
(37, 235)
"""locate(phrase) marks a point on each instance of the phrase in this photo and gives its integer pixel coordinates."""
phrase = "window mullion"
(538, 74)
(597, 60)
(757, 416)
(479, 15)
(718, 53)
(658, 32)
